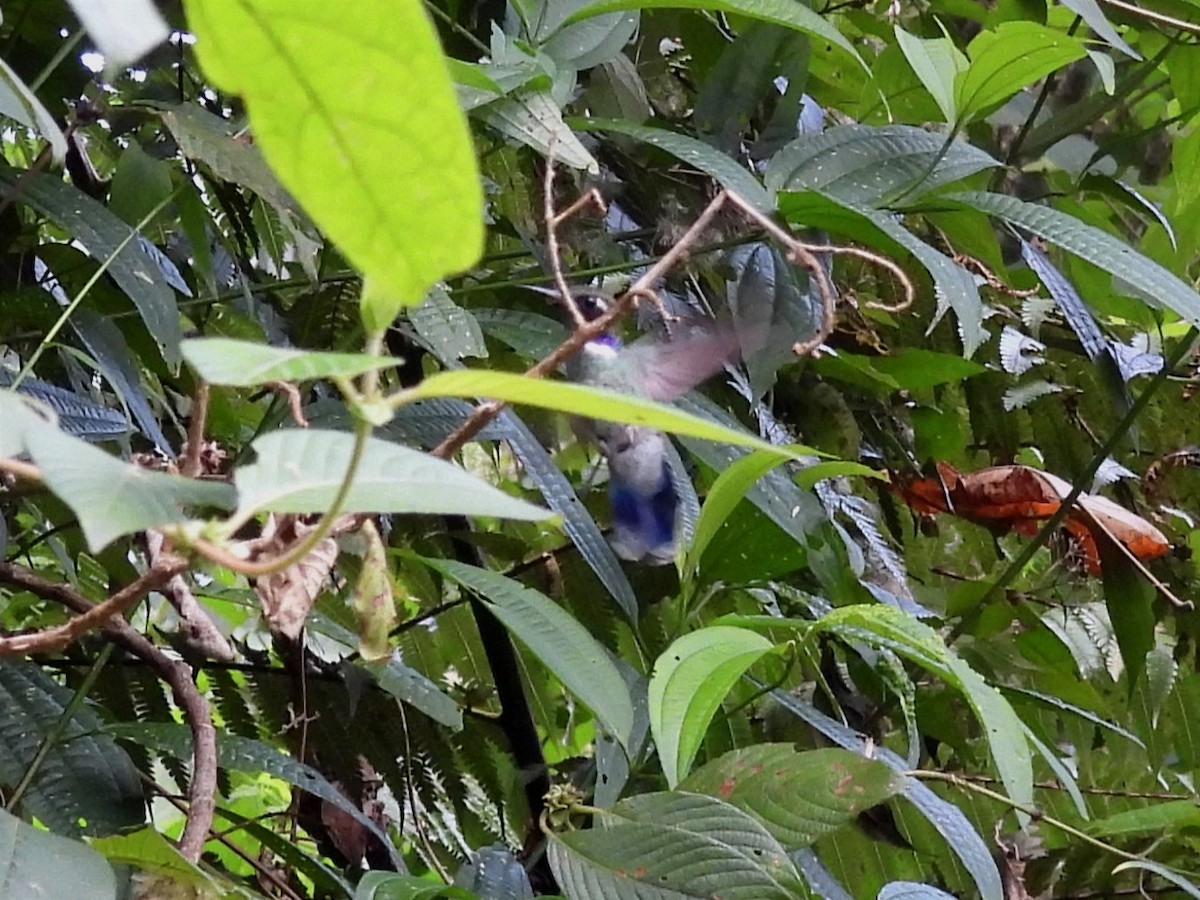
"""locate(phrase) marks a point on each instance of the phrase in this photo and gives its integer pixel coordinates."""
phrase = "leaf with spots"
(798, 797)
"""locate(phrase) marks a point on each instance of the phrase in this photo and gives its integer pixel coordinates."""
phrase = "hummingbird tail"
(644, 524)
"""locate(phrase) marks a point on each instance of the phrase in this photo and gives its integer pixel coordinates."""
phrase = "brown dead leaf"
(287, 596)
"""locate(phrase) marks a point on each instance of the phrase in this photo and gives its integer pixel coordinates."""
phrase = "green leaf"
(889, 627)
(112, 498)
(668, 846)
(781, 12)
(21, 104)
(554, 637)
(799, 797)
(446, 327)
(1093, 15)
(954, 287)
(34, 863)
(300, 470)
(533, 118)
(1188, 887)
(997, 72)
(248, 363)
(727, 491)
(1159, 819)
(149, 851)
(1098, 247)
(690, 680)
(594, 403)
(712, 162)
(1130, 601)
(937, 62)
(914, 369)
(390, 886)
(213, 141)
(393, 183)
(100, 232)
(866, 166)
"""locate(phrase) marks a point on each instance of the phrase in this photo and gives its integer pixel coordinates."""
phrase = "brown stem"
(96, 615)
(190, 467)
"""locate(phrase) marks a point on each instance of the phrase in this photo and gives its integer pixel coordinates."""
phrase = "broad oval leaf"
(236, 363)
(997, 72)
(300, 470)
(34, 863)
(394, 184)
(861, 165)
(727, 491)
(690, 680)
(575, 657)
(937, 62)
(971, 850)
(799, 797)
(112, 498)
(667, 846)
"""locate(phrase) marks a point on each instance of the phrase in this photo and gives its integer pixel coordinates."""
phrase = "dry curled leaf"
(1019, 498)
(287, 596)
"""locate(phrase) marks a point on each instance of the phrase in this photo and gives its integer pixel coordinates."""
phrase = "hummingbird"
(640, 486)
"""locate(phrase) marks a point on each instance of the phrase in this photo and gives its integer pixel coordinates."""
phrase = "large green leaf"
(937, 62)
(100, 233)
(211, 140)
(595, 403)
(1090, 243)
(300, 470)
(690, 680)
(799, 797)
(109, 497)
(247, 363)
(1013, 56)
(727, 491)
(393, 183)
(556, 638)
(36, 864)
(865, 166)
(669, 846)
(954, 287)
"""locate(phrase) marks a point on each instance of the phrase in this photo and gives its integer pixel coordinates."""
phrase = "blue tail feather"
(645, 525)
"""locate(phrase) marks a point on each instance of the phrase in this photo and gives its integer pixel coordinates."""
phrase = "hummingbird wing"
(664, 370)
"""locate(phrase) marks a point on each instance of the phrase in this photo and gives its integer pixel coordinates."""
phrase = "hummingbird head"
(591, 302)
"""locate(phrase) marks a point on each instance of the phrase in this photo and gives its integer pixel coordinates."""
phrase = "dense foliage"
(307, 587)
